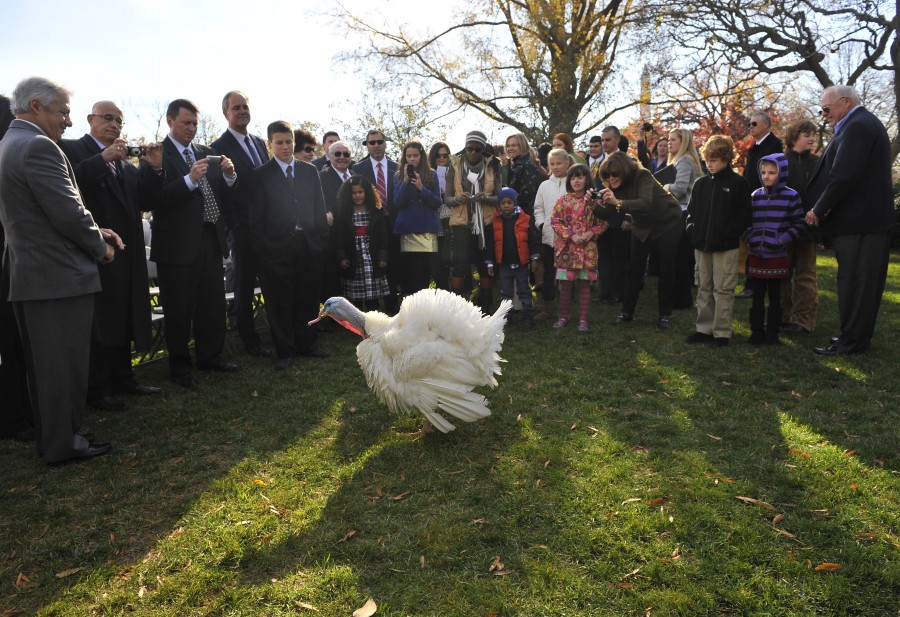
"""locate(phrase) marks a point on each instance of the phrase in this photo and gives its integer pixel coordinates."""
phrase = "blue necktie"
(252, 150)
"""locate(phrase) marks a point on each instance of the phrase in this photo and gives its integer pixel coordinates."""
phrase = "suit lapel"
(239, 148)
(176, 156)
(261, 150)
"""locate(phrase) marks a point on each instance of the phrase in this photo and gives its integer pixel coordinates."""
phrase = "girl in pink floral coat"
(575, 250)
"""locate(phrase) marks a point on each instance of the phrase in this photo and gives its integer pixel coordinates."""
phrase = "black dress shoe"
(259, 351)
(314, 353)
(621, 318)
(92, 451)
(830, 350)
(220, 366)
(185, 381)
(142, 390)
(108, 403)
(282, 364)
(664, 323)
(793, 328)
(834, 339)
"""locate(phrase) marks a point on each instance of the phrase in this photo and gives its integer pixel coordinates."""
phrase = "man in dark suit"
(289, 224)
(332, 177)
(379, 170)
(15, 413)
(247, 152)
(116, 192)
(851, 188)
(53, 248)
(188, 246)
(324, 161)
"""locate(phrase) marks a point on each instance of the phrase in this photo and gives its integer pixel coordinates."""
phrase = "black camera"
(647, 127)
(135, 151)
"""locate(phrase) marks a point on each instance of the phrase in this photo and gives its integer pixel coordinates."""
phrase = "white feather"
(432, 354)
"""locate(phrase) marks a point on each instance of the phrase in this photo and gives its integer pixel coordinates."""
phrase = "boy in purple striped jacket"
(777, 221)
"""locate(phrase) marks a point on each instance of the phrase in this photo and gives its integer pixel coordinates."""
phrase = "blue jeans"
(516, 278)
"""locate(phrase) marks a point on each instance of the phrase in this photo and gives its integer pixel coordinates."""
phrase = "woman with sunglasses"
(304, 145)
(439, 158)
(655, 218)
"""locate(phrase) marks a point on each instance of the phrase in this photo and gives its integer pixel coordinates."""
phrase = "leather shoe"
(92, 451)
(220, 366)
(746, 293)
(793, 328)
(282, 364)
(830, 350)
(140, 389)
(259, 351)
(622, 317)
(314, 353)
(108, 403)
(834, 339)
(185, 381)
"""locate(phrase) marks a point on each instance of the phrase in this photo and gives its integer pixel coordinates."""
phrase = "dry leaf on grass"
(850, 437)
(865, 536)
(757, 502)
(259, 482)
(828, 567)
(401, 496)
(366, 610)
(378, 492)
(308, 607)
(716, 437)
(478, 521)
(778, 518)
(656, 502)
(800, 453)
(347, 536)
(849, 453)
(142, 591)
(632, 573)
(496, 564)
(632, 500)
(502, 573)
(68, 572)
(254, 394)
(23, 582)
(727, 384)
(11, 612)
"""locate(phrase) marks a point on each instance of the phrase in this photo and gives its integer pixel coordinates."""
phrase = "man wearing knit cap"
(473, 181)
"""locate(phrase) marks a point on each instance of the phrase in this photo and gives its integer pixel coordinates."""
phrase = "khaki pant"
(718, 273)
(800, 293)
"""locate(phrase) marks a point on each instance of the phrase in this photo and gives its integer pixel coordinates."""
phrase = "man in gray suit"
(52, 250)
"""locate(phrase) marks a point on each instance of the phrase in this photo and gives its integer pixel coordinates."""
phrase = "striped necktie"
(382, 186)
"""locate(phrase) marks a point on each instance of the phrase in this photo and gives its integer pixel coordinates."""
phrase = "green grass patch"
(606, 482)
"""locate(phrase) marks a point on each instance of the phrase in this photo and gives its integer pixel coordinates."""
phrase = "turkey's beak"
(322, 314)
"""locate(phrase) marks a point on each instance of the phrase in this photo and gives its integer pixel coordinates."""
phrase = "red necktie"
(382, 187)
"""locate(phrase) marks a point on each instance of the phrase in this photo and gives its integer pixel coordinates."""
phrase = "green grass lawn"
(608, 481)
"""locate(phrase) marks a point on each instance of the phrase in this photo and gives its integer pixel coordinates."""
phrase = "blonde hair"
(520, 138)
(558, 153)
(687, 149)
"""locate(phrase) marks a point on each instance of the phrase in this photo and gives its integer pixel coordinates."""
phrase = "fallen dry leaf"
(23, 582)
(401, 496)
(397, 571)
(496, 564)
(347, 536)
(850, 437)
(421, 561)
(853, 485)
(378, 492)
(11, 612)
(632, 573)
(656, 502)
(663, 560)
(68, 572)
(757, 502)
(478, 521)
(849, 453)
(828, 567)
(573, 427)
(537, 546)
(865, 536)
(366, 610)
(142, 591)
(778, 518)
(727, 384)
(800, 453)
(266, 538)
(308, 607)
(259, 482)
(502, 573)
(254, 394)
(716, 437)
(352, 410)
(519, 418)
(632, 500)
(795, 394)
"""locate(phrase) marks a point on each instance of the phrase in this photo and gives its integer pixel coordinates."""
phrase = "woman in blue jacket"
(417, 198)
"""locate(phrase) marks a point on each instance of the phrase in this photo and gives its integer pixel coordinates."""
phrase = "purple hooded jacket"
(778, 215)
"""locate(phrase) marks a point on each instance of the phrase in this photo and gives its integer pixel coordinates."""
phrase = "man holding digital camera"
(115, 192)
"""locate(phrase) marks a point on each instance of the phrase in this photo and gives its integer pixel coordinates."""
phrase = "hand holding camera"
(153, 154)
(115, 152)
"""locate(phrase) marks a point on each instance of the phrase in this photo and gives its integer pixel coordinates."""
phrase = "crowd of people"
(546, 221)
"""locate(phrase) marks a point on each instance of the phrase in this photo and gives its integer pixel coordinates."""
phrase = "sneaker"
(582, 326)
(699, 337)
(664, 323)
(562, 321)
(720, 341)
(622, 317)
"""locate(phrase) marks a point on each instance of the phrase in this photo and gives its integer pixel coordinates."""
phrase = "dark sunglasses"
(474, 149)
(110, 118)
(306, 149)
(611, 174)
(443, 155)
(338, 155)
(754, 123)
(824, 111)
(375, 142)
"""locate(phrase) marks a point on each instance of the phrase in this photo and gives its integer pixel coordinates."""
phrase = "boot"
(485, 299)
(547, 312)
(458, 285)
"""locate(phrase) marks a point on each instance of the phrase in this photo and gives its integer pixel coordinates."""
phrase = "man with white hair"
(852, 196)
(52, 251)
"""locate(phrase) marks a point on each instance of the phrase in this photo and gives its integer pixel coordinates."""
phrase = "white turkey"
(429, 356)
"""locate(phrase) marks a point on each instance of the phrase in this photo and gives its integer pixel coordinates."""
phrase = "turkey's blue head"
(342, 311)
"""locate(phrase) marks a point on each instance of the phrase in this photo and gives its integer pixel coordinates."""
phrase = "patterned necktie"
(382, 187)
(595, 169)
(252, 150)
(210, 207)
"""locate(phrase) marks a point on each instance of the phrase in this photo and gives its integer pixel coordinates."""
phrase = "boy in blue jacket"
(777, 221)
(512, 243)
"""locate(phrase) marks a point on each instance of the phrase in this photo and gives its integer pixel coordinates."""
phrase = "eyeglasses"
(375, 142)
(306, 149)
(754, 123)
(611, 174)
(110, 118)
(338, 155)
(827, 110)
(474, 149)
(443, 155)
